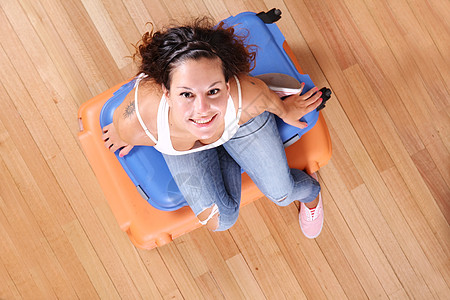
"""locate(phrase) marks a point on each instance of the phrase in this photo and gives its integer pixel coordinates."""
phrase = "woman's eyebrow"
(188, 88)
(214, 84)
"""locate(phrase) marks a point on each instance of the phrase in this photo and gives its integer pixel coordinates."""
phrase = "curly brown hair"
(161, 51)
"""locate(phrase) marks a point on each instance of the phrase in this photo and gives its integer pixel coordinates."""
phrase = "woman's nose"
(201, 104)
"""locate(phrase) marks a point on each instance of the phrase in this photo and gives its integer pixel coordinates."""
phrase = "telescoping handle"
(326, 95)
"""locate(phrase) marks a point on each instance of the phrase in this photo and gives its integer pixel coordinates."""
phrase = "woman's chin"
(202, 135)
(204, 131)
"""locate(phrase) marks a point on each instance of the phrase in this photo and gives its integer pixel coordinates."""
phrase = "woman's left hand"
(297, 106)
(113, 141)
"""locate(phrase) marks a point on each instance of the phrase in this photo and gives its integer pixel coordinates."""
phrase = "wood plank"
(94, 43)
(26, 52)
(46, 218)
(441, 158)
(432, 73)
(354, 235)
(304, 258)
(417, 221)
(27, 282)
(128, 254)
(177, 9)
(257, 262)
(281, 268)
(107, 31)
(394, 250)
(76, 164)
(209, 287)
(217, 9)
(91, 261)
(347, 170)
(192, 255)
(158, 13)
(59, 165)
(74, 43)
(401, 158)
(433, 178)
(225, 244)
(215, 265)
(139, 15)
(25, 242)
(8, 289)
(179, 271)
(124, 25)
(159, 273)
(196, 9)
(432, 18)
(244, 277)
(423, 87)
(58, 55)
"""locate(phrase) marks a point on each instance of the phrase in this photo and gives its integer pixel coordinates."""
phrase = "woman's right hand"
(113, 141)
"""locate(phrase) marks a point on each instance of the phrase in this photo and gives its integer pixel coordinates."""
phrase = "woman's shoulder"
(148, 97)
(249, 86)
(248, 82)
(253, 93)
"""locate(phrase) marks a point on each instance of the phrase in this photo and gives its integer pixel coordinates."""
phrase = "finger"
(315, 104)
(105, 136)
(302, 86)
(313, 99)
(106, 128)
(302, 125)
(125, 150)
(310, 93)
(108, 144)
(114, 148)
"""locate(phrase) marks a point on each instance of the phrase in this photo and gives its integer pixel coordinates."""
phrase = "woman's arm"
(125, 131)
(257, 98)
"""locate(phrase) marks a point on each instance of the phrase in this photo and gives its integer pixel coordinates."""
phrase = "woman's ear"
(165, 90)
(166, 94)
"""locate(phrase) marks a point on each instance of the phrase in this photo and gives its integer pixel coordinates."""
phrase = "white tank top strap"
(238, 116)
(136, 86)
(162, 123)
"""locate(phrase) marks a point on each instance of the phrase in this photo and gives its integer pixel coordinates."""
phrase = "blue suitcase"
(146, 166)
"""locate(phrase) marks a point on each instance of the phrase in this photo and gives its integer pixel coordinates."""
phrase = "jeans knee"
(280, 200)
(283, 201)
(216, 220)
(210, 217)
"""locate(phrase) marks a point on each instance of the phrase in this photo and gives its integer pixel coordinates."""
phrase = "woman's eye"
(186, 95)
(214, 91)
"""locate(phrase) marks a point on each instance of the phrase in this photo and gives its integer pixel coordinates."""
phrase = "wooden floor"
(386, 189)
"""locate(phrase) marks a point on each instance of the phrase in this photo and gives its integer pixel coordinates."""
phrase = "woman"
(194, 102)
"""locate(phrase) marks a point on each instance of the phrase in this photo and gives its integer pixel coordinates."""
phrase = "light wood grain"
(386, 190)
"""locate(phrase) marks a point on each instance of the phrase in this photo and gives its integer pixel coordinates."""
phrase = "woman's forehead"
(200, 72)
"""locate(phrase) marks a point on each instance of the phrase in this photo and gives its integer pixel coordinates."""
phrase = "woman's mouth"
(202, 122)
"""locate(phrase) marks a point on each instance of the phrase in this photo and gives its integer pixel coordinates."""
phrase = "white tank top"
(164, 144)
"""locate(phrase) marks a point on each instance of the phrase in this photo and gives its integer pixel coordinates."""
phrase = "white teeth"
(203, 121)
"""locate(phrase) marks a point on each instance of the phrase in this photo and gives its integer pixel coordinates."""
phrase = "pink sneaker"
(311, 220)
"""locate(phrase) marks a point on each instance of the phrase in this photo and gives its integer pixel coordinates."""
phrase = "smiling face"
(198, 97)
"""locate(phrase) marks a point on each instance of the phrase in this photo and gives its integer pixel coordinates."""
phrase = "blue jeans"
(213, 177)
